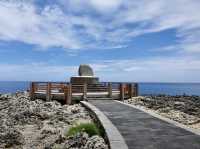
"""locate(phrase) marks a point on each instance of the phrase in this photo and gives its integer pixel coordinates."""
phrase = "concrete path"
(143, 131)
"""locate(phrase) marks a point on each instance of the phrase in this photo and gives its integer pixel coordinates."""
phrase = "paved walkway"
(143, 131)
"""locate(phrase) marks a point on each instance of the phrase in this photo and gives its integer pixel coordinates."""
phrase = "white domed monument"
(85, 76)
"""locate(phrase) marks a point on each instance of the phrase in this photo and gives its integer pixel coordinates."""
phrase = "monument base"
(84, 80)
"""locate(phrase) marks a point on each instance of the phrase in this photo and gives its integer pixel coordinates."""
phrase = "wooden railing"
(67, 91)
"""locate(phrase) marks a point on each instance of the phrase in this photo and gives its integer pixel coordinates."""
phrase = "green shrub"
(89, 128)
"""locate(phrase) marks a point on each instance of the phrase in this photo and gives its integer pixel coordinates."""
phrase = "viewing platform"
(67, 92)
(82, 87)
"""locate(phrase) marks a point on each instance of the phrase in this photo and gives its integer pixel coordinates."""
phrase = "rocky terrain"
(26, 124)
(183, 109)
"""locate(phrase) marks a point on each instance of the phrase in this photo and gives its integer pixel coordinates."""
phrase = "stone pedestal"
(84, 80)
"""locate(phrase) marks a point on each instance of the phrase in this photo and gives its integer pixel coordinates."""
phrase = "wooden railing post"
(32, 91)
(130, 90)
(122, 91)
(48, 92)
(69, 94)
(136, 89)
(110, 90)
(65, 94)
(85, 91)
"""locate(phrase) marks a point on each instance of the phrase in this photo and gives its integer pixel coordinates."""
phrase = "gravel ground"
(26, 124)
(183, 109)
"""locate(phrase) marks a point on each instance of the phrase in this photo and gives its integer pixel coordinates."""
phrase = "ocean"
(144, 88)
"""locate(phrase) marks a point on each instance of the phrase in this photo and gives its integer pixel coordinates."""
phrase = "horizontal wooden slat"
(128, 89)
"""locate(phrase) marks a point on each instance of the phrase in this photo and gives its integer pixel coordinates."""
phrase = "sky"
(122, 40)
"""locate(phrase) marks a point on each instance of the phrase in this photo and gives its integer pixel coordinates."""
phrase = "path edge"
(115, 139)
(194, 131)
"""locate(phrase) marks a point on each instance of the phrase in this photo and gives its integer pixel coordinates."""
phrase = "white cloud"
(100, 6)
(151, 70)
(96, 24)
(36, 72)
(179, 69)
(181, 15)
(105, 5)
(20, 21)
(101, 24)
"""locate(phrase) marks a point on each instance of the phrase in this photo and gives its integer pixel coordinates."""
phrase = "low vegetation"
(90, 128)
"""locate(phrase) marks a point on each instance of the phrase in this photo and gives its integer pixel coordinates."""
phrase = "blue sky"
(123, 40)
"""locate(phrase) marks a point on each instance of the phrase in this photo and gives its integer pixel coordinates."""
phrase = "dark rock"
(79, 140)
(4, 97)
(11, 137)
(95, 142)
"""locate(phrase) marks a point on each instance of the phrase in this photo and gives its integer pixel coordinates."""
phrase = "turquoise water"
(144, 88)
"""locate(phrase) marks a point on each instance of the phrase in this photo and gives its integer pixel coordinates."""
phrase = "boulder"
(85, 70)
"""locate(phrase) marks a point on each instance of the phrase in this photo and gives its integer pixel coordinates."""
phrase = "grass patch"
(57, 146)
(90, 128)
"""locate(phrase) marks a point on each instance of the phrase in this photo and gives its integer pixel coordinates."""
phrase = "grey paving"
(116, 141)
(143, 131)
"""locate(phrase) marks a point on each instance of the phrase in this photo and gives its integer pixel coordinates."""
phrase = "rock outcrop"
(82, 141)
(183, 109)
(38, 124)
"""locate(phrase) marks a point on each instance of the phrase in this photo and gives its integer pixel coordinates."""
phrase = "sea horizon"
(100, 81)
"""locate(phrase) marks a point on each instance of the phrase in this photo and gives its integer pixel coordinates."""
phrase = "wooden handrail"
(125, 90)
